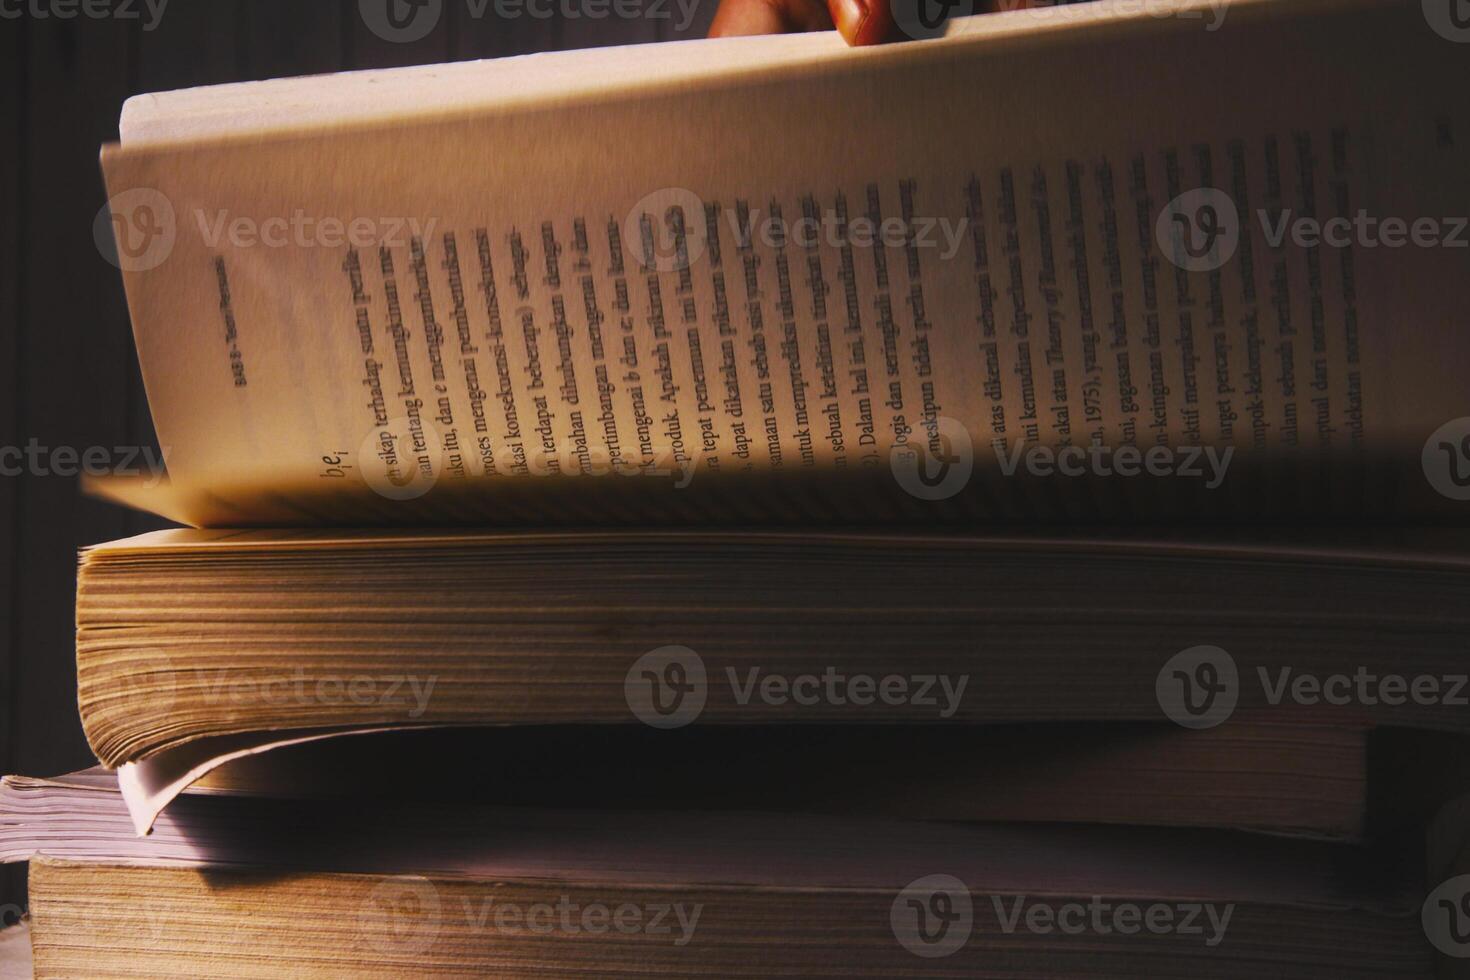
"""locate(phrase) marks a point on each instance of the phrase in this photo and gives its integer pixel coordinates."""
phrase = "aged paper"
(1063, 255)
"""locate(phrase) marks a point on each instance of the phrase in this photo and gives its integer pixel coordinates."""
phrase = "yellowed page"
(1014, 331)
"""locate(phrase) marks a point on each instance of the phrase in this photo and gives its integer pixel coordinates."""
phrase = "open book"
(1071, 263)
(1056, 266)
(1053, 265)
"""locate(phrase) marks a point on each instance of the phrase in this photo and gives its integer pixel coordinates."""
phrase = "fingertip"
(862, 22)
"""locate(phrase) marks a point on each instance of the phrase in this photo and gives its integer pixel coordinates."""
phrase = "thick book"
(265, 887)
(1054, 265)
(1299, 775)
(198, 646)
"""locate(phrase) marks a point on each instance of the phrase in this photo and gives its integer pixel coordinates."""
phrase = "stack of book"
(975, 507)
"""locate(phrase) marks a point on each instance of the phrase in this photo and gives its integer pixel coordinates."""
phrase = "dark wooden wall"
(68, 373)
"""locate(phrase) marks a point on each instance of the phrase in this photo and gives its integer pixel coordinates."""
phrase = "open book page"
(1300, 778)
(149, 785)
(1447, 548)
(248, 109)
(688, 847)
(1038, 268)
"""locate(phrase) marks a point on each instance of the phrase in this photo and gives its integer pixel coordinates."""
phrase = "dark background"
(68, 371)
